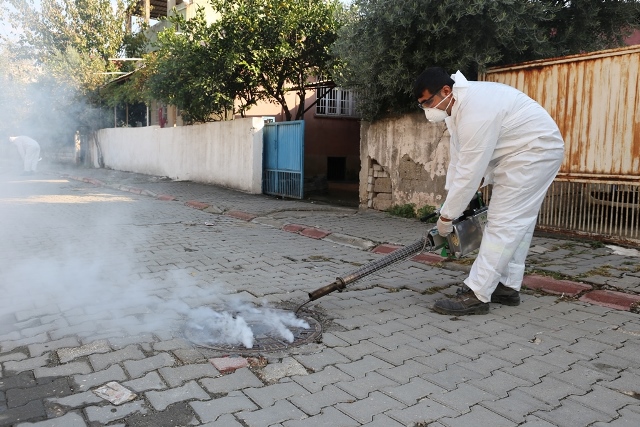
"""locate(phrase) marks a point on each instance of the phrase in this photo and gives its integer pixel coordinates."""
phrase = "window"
(337, 102)
(336, 168)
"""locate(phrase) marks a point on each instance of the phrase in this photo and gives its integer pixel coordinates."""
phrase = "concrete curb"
(605, 298)
(270, 222)
(293, 228)
(612, 299)
(554, 286)
(346, 240)
(196, 205)
(245, 216)
(315, 233)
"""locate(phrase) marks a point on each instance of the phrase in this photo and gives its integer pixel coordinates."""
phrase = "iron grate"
(264, 342)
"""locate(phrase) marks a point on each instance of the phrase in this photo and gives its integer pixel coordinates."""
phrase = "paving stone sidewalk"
(559, 259)
(99, 279)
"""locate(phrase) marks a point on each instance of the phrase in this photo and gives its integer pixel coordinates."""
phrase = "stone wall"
(378, 187)
(404, 160)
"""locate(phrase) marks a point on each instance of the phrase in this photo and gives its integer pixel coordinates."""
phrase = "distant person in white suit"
(29, 150)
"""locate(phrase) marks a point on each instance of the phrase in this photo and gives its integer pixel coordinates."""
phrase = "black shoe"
(505, 295)
(465, 302)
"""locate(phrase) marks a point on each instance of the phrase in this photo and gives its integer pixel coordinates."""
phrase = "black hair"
(432, 79)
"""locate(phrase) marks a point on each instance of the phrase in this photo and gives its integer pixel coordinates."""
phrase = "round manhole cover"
(253, 333)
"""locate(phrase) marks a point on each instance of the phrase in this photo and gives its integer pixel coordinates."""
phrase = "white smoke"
(106, 292)
(234, 322)
(276, 321)
(212, 327)
(90, 278)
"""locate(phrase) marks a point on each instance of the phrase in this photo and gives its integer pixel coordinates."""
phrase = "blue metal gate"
(283, 166)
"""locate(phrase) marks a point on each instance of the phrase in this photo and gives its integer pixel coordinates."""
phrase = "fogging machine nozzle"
(338, 285)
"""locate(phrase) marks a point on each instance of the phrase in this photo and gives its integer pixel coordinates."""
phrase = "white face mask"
(437, 115)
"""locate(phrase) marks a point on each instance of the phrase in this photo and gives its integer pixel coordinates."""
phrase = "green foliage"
(589, 25)
(196, 70)
(286, 42)
(38, 104)
(256, 49)
(94, 27)
(425, 210)
(15, 74)
(80, 71)
(131, 89)
(407, 210)
(386, 44)
(134, 45)
(66, 46)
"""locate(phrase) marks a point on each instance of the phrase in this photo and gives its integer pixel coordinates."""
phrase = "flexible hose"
(394, 257)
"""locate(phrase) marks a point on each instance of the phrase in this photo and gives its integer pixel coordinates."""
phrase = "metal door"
(283, 167)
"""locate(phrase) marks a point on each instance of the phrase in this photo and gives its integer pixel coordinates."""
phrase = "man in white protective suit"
(29, 150)
(500, 135)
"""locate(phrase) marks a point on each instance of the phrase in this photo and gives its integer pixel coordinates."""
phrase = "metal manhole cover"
(266, 338)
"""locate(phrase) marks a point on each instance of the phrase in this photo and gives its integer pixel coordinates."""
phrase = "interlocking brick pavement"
(101, 273)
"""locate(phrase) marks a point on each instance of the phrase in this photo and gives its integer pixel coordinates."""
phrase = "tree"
(256, 49)
(68, 45)
(86, 34)
(94, 27)
(386, 44)
(284, 42)
(198, 69)
(15, 76)
(588, 25)
(38, 104)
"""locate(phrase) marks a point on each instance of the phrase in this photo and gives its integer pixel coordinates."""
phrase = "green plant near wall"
(425, 210)
(408, 210)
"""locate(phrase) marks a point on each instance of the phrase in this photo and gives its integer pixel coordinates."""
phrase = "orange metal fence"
(595, 99)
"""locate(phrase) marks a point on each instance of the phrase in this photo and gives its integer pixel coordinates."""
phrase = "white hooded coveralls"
(500, 134)
(29, 150)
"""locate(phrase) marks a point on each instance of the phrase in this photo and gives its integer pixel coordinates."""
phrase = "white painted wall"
(228, 153)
